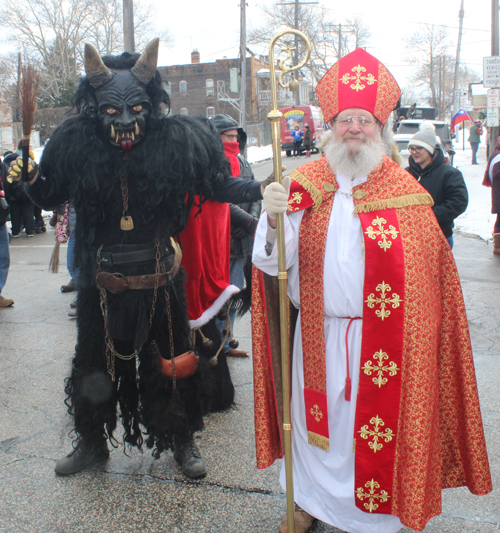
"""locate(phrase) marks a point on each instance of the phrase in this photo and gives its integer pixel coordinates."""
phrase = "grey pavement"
(138, 493)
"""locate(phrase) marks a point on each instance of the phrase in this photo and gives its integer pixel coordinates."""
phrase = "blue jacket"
(297, 135)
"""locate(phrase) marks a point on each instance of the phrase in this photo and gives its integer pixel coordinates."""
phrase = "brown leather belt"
(118, 283)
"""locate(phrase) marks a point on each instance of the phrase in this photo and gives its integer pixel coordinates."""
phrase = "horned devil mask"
(123, 104)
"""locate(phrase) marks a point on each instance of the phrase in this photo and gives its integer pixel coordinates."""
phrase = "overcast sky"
(214, 27)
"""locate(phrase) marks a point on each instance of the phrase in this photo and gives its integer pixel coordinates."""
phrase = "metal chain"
(124, 187)
(171, 338)
(111, 353)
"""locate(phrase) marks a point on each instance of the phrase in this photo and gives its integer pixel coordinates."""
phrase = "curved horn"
(97, 72)
(145, 68)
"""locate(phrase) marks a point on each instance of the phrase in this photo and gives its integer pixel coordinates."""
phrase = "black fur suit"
(176, 158)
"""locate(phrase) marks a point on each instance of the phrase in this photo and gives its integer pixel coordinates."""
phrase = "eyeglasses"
(235, 137)
(416, 149)
(363, 122)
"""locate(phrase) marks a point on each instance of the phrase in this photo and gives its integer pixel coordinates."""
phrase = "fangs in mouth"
(120, 136)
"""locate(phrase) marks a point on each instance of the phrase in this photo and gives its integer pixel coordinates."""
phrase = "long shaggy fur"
(178, 158)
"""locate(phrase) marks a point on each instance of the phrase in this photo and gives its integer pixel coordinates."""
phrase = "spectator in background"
(21, 207)
(442, 181)
(4, 237)
(475, 133)
(308, 140)
(296, 135)
(492, 179)
(39, 223)
(244, 216)
(412, 111)
(73, 270)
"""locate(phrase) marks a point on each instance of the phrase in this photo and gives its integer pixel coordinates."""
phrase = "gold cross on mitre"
(358, 78)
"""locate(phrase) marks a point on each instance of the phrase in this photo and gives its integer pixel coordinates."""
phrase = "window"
(184, 111)
(168, 88)
(210, 112)
(209, 85)
(183, 87)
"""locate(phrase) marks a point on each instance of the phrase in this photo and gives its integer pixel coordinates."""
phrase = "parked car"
(301, 115)
(408, 128)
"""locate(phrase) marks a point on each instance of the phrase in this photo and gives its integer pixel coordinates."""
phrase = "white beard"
(354, 163)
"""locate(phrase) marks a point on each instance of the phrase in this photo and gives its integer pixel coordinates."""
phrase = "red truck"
(301, 115)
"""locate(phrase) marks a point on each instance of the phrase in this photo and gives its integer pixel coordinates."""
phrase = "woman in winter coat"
(442, 181)
(297, 134)
(308, 140)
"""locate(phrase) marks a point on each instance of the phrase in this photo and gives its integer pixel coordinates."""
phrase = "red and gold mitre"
(358, 80)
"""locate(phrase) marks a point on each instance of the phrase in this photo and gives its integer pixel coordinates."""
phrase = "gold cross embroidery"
(372, 497)
(295, 199)
(380, 379)
(317, 414)
(395, 301)
(375, 445)
(358, 78)
(372, 233)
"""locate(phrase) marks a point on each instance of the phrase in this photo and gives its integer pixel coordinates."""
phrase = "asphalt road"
(135, 492)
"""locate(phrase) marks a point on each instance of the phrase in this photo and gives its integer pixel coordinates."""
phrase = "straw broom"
(30, 79)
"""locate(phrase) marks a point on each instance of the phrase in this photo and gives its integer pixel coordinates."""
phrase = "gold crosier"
(275, 116)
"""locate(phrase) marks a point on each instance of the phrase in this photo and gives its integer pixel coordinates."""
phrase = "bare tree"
(52, 34)
(435, 68)
(320, 29)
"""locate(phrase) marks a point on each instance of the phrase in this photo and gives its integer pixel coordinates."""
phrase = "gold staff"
(275, 116)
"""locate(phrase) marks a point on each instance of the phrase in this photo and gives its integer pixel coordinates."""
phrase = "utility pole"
(443, 91)
(493, 131)
(456, 103)
(243, 67)
(295, 58)
(128, 26)
(347, 28)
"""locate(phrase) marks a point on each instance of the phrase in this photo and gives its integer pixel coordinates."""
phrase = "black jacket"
(446, 186)
(4, 213)
(244, 217)
(246, 212)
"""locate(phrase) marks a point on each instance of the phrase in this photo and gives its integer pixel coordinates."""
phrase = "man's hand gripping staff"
(276, 199)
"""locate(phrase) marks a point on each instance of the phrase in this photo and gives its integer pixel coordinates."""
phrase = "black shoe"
(38, 230)
(82, 457)
(70, 287)
(73, 304)
(186, 453)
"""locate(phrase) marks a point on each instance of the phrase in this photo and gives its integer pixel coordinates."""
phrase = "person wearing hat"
(383, 391)
(297, 135)
(443, 182)
(307, 140)
(475, 132)
(243, 216)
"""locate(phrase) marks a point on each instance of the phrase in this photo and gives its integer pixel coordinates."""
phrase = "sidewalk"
(138, 493)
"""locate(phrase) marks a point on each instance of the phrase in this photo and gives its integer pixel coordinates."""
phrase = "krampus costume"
(133, 174)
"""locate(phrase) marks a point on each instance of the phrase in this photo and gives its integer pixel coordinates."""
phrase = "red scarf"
(232, 150)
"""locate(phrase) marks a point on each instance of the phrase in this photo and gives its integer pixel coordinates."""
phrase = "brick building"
(213, 88)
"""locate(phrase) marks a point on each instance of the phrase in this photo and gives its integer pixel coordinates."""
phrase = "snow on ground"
(259, 153)
(477, 219)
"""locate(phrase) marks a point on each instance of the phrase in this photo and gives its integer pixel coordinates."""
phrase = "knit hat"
(426, 137)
